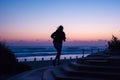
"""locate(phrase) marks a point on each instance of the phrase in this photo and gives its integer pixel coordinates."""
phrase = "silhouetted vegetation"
(8, 62)
(114, 44)
(6, 54)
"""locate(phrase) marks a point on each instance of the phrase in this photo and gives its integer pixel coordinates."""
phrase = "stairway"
(90, 69)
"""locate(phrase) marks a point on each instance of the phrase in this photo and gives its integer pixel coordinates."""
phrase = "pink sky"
(83, 20)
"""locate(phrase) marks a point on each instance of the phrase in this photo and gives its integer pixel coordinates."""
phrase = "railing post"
(51, 58)
(83, 53)
(64, 58)
(25, 60)
(42, 59)
(76, 57)
(34, 59)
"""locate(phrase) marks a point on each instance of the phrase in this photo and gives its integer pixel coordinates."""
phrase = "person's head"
(60, 28)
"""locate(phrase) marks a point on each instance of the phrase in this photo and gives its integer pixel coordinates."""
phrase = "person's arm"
(64, 38)
(53, 35)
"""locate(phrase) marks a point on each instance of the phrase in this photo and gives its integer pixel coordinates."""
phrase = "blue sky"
(37, 19)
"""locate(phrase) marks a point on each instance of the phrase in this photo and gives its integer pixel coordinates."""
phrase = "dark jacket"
(58, 36)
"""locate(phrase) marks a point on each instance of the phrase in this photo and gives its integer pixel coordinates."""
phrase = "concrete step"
(93, 58)
(98, 62)
(79, 66)
(114, 60)
(93, 74)
(86, 59)
(35, 74)
(60, 75)
(47, 74)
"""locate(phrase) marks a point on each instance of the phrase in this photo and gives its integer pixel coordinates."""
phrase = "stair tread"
(94, 66)
(61, 75)
(47, 75)
(97, 60)
(69, 69)
(93, 58)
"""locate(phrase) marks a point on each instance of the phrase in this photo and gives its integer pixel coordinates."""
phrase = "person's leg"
(58, 56)
(58, 52)
(58, 48)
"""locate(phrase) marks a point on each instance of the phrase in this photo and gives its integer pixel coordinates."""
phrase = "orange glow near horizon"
(43, 33)
(70, 37)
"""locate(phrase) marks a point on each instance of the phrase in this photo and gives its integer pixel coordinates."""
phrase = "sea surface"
(47, 52)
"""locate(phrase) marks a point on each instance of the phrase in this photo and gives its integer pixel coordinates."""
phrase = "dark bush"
(114, 44)
(6, 55)
(8, 61)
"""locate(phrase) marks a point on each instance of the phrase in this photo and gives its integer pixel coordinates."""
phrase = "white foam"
(40, 58)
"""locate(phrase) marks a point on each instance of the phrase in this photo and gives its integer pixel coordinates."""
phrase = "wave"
(25, 51)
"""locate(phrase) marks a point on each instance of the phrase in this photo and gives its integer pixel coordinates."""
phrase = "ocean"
(48, 52)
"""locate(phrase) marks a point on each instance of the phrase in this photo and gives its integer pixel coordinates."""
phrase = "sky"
(36, 20)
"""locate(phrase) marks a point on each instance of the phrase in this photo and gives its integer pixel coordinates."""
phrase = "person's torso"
(59, 37)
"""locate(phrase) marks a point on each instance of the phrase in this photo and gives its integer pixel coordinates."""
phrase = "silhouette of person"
(58, 37)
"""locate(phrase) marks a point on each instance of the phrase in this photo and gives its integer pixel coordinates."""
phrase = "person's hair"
(60, 28)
